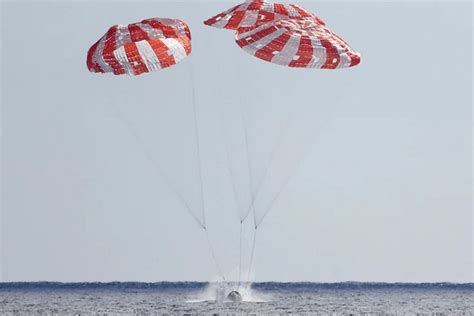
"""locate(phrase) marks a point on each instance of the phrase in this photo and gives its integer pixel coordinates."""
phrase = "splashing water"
(218, 291)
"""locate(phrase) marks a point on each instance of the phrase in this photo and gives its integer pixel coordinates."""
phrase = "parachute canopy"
(141, 47)
(257, 12)
(301, 43)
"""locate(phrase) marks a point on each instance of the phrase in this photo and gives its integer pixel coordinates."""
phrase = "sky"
(373, 163)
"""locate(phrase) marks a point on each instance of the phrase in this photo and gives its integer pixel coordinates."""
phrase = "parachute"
(256, 12)
(297, 43)
(147, 46)
(141, 47)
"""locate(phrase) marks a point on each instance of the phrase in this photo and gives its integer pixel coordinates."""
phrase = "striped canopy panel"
(300, 43)
(257, 12)
(141, 47)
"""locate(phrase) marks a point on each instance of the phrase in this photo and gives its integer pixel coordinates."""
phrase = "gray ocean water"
(259, 298)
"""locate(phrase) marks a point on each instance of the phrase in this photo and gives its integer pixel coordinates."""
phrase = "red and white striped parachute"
(301, 43)
(256, 12)
(141, 47)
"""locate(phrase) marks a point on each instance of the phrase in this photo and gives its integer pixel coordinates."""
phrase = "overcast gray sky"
(384, 192)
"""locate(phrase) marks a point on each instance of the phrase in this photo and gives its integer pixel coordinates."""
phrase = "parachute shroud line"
(198, 147)
(263, 178)
(157, 167)
(251, 256)
(201, 183)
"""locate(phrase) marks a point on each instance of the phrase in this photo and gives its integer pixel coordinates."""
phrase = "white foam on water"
(218, 291)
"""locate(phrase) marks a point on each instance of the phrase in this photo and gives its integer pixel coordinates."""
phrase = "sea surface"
(258, 298)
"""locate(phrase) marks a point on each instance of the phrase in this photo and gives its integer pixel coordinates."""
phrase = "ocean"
(258, 298)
